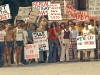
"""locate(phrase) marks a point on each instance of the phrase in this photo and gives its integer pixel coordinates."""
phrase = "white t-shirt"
(19, 36)
(2, 34)
(25, 35)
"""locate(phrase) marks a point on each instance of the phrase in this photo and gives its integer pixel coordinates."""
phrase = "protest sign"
(79, 15)
(43, 7)
(4, 12)
(23, 13)
(33, 15)
(40, 38)
(86, 42)
(54, 12)
(94, 7)
(31, 51)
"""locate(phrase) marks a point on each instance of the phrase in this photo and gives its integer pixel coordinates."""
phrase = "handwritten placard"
(40, 38)
(31, 51)
(43, 7)
(86, 42)
(4, 12)
(54, 12)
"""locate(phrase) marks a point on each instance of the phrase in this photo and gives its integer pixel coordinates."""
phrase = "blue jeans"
(1, 53)
(52, 51)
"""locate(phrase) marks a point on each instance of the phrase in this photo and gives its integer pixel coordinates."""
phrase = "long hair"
(52, 24)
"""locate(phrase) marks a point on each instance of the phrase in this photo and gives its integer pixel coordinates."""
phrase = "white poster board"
(4, 12)
(23, 13)
(43, 7)
(40, 38)
(86, 42)
(31, 51)
(94, 7)
(33, 15)
(54, 12)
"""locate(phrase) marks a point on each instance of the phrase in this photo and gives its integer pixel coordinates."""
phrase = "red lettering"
(40, 4)
(43, 12)
(31, 51)
(28, 46)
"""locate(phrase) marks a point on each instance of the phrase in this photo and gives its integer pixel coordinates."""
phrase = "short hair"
(62, 23)
(91, 20)
(24, 25)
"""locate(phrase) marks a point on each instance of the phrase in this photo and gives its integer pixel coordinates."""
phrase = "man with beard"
(9, 39)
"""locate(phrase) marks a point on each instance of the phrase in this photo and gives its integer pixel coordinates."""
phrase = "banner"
(31, 51)
(54, 12)
(43, 7)
(23, 13)
(4, 12)
(40, 38)
(94, 7)
(86, 42)
(33, 15)
(79, 15)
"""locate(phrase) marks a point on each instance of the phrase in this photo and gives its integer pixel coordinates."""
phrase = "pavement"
(65, 68)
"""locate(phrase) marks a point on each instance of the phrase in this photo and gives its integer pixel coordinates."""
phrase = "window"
(81, 4)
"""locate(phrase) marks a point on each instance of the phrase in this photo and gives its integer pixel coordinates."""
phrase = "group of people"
(63, 48)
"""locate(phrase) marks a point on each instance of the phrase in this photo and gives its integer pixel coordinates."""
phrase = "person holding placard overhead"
(86, 32)
(3, 44)
(94, 30)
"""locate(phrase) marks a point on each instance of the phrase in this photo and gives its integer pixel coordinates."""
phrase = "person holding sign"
(53, 34)
(79, 27)
(3, 44)
(73, 43)
(18, 42)
(86, 32)
(94, 30)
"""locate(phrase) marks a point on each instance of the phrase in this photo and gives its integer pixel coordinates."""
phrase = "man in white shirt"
(94, 30)
(2, 44)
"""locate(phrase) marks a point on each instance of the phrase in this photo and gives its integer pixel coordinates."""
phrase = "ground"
(66, 68)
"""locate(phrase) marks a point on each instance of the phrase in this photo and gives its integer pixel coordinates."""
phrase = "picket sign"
(54, 12)
(4, 12)
(86, 42)
(40, 38)
(23, 13)
(94, 7)
(43, 7)
(31, 51)
(79, 15)
(33, 15)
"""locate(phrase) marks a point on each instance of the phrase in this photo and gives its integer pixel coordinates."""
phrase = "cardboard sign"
(33, 15)
(31, 51)
(86, 42)
(54, 12)
(23, 13)
(79, 15)
(4, 12)
(40, 38)
(94, 7)
(43, 7)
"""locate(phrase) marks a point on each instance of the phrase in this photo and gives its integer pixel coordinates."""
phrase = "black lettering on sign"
(80, 43)
(81, 38)
(42, 48)
(38, 34)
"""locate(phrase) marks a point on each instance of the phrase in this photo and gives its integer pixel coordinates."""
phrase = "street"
(65, 68)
